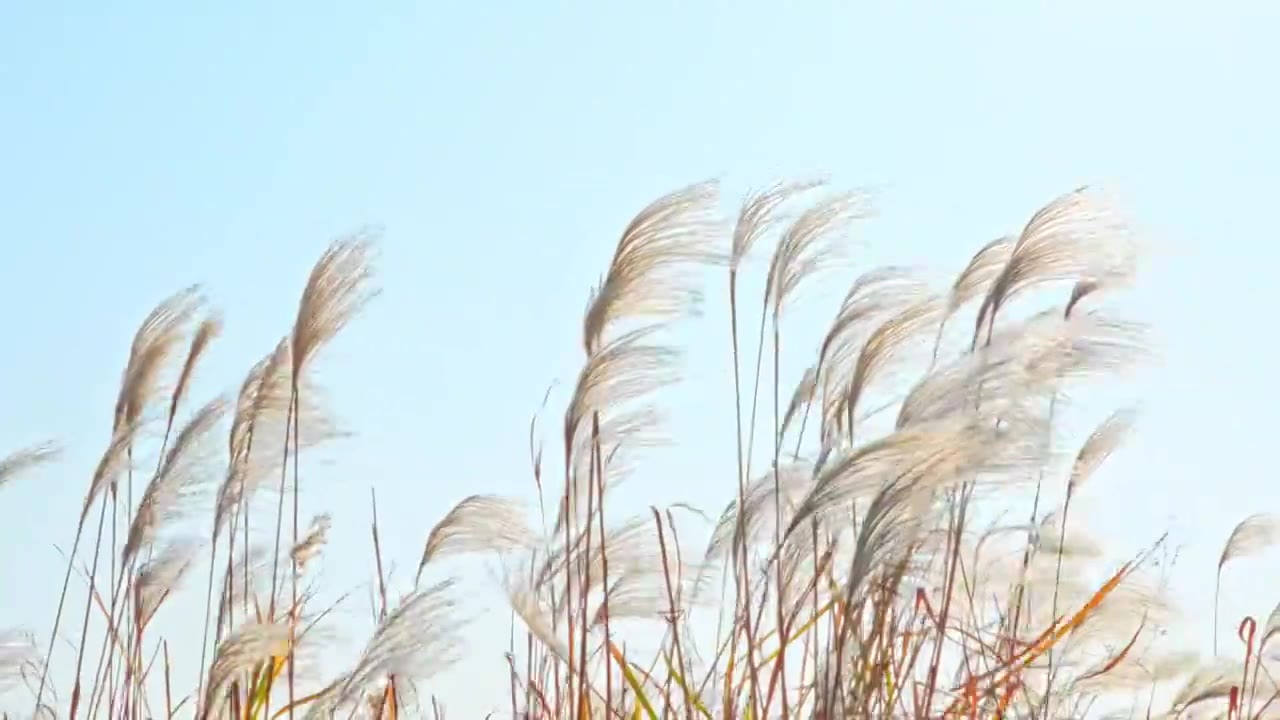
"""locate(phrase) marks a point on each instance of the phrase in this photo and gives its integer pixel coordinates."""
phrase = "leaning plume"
(480, 523)
(1253, 535)
(159, 578)
(1104, 441)
(621, 372)
(206, 333)
(180, 475)
(884, 345)
(418, 639)
(977, 276)
(809, 245)
(240, 652)
(759, 214)
(23, 460)
(648, 276)
(113, 462)
(152, 345)
(1077, 235)
(339, 286)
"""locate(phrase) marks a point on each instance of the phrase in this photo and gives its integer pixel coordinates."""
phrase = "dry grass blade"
(180, 476)
(809, 245)
(759, 214)
(647, 278)
(336, 291)
(20, 461)
(479, 523)
(1100, 445)
(243, 649)
(1140, 672)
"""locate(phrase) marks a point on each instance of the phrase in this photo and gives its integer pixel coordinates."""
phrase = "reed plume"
(648, 278)
(1253, 535)
(479, 523)
(21, 461)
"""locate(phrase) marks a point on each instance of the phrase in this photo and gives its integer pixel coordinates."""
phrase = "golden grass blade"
(633, 681)
(241, 651)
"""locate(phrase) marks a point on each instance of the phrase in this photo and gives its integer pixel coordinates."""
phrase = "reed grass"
(863, 574)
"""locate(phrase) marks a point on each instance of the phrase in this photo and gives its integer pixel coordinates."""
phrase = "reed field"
(873, 556)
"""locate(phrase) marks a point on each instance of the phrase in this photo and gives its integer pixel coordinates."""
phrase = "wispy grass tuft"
(866, 566)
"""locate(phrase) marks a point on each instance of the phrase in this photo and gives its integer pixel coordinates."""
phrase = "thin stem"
(674, 618)
(275, 554)
(84, 629)
(296, 610)
(604, 556)
(777, 511)
(739, 542)
(57, 617)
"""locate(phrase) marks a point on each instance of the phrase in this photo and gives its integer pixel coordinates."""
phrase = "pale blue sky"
(503, 147)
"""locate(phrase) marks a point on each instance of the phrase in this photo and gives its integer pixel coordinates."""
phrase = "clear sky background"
(503, 146)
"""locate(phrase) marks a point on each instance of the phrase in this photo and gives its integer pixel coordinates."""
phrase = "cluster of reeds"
(858, 570)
